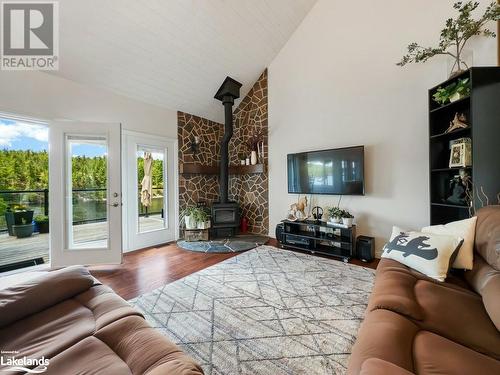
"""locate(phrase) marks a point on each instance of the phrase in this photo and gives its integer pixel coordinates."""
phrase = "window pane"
(88, 227)
(150, 190)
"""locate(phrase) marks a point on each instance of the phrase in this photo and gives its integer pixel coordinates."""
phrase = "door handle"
(116, 204)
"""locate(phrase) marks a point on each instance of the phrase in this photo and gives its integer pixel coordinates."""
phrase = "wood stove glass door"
(150, 190)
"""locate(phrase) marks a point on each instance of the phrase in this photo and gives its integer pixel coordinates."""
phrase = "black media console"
(318, 237)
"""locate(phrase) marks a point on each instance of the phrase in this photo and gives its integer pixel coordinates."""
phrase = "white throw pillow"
(424, 252)
(465, 229)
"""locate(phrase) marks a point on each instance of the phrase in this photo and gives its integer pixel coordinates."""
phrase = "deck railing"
(89, 205)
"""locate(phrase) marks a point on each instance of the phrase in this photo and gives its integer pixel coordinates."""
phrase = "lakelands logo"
(30, 35)
(10, 361)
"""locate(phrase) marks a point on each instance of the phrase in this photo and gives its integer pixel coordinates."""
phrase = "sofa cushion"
(38, 293)
(465, 229)
(144, 349)
(485, 280)
(434, 354)
(56, 328)
(438, 307)
(375, 366)
(385, 335)
(88, 356)
(487, 242)
(127, 346)
(428, 253)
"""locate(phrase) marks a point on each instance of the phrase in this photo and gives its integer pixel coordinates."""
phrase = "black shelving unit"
(318, 237)
(482, 110)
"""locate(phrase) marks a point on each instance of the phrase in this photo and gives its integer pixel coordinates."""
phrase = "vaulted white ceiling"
(173, 53)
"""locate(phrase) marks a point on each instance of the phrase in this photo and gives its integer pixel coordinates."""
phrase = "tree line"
(29, 170)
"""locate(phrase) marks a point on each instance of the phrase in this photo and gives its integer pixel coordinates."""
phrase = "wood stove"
(225, 214)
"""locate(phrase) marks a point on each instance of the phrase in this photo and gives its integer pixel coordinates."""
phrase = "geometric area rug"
(266, 311)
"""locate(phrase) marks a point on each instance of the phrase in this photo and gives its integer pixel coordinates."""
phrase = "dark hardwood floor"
(145, 270)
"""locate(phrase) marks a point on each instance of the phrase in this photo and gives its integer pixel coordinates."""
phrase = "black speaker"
(365, 248)
(280, 232)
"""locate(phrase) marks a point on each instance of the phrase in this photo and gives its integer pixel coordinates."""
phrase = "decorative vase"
(247, 161)
(347, 221)
(253, 157)
(456, 67)
(242, 161)
(335, 220)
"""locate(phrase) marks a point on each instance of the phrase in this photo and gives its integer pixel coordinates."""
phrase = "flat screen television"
(338, 171)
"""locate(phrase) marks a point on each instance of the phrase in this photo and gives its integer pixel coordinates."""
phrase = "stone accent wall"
(198, 187)
(251, 190)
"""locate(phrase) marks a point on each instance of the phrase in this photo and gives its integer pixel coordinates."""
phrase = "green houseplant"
(189, 220)
(17, 215)
(42, 222)
(202, 218)
(455, 35)
(452, 92)
(196, 218)
(347, 218)
(335, 214)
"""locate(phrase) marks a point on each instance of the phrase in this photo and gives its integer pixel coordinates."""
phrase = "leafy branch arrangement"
(455, 35)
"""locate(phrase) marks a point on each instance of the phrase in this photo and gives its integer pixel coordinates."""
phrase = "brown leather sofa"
(82, 327)
(416, 325)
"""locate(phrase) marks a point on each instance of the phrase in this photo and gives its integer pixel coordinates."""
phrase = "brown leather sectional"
(416, 325)
(83, 328)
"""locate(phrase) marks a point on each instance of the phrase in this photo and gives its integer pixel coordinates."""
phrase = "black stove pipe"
(228, 102)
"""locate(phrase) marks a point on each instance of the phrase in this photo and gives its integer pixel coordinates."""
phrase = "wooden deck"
(13, 249)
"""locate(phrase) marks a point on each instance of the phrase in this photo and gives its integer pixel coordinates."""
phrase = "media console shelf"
(319, 237)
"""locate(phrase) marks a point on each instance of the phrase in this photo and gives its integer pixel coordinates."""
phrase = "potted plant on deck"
(17, 215)
(42, 222)
(23, 230)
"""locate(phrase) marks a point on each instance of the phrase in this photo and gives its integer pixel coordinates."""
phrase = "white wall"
(41, 95)
(335, 84)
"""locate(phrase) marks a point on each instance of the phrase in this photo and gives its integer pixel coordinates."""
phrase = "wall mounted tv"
(338, 171)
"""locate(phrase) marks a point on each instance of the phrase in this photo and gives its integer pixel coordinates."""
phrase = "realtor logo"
(30, 35)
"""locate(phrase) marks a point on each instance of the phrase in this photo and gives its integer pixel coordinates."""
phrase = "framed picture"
(460, 153)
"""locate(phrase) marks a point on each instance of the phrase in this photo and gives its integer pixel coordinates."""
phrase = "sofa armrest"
(36, 294)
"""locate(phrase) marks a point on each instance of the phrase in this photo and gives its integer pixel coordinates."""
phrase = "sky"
(18, 135)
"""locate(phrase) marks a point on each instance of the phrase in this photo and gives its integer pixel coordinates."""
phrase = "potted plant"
(347, 218)
(16, 215)
(335, 214)
(202, 218)
(453, 92)
(455, 35)
(189, 219)
(42, 222)
(242, 157)
(23, 230)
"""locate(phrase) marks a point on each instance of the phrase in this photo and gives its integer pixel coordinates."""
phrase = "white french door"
(85, 193)
(149, 222)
